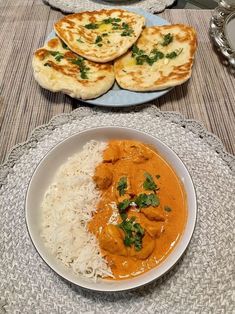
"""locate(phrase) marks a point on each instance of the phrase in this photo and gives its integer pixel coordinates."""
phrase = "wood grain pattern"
(208, 97)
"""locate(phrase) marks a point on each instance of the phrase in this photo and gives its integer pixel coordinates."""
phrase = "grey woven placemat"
(202, 281)
(70, 6)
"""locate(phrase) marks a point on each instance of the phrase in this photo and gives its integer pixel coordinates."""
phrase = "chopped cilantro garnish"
(133, 233)
(158, 176)
(82, 67)
(111, 20)
(174, 54)
(127, 32)
(128, 241)
(155, 56)
(145, 200)
(171, 55)
(122, 185)
(167, 209)
(136, 51)
(99, 45)
(123, 216)
(83, 74)
(141, 56)
(167, 39)
(47, 64)
(54, 53)
(98, 39)
(149, 184)
(80, 41)
(57, 55)
(105, 34)
(115, 26)
(140, 60)
(64, 45)
(125, 25)
(122, 207)
(91, 26)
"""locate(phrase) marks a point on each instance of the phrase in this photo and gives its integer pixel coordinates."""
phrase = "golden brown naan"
(100, 36)
(57, 68)
(162, 57)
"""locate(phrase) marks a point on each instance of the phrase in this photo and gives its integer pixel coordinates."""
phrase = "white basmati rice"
(66, 210)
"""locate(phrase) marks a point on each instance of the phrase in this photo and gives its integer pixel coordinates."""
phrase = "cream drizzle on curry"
(149, 200)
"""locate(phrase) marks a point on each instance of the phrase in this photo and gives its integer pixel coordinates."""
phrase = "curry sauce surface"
(132, 160)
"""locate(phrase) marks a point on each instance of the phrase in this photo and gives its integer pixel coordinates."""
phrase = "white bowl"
(42, 178)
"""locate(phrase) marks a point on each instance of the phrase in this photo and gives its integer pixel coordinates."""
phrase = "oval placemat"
(201, 282)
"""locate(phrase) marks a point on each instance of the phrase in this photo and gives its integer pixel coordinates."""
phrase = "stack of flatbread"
(92, 49)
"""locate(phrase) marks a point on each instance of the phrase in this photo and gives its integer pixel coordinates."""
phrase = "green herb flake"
(98, 39)
(141, 56)
(83, 75)
(47, 64)
(122, 185)
(128, 241)
(171, 55)
(140, 60)
(133, 233)
(167, 209)
(107, 21)
(111, 20)
(122, 207)
(145, 200)
(128, 32)
(149, 183)
(115, 27)
(155, 56)
(158, 176)
(91, 26)
(125, 25)
(57, 55)
(64, 45)
(79, 61)
(80, 41)
(174, 54)
(124, 216)
(105, 34)
(136, 51)
(167, 39)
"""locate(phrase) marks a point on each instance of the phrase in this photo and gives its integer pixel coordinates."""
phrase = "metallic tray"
(222, 29)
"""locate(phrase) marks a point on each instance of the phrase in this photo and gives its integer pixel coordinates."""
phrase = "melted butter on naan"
(100, 36)
(173, 66)
(57, 68)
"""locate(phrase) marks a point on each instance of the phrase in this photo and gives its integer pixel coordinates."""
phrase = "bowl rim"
(178, 256)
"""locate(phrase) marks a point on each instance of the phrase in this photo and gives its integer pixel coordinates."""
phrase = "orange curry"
(142, 211)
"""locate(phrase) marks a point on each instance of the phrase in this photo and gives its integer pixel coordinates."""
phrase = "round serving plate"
(43, 176)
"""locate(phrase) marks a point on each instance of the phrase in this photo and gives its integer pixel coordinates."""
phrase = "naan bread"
(100, 36)
(59, 69)
(162, 57)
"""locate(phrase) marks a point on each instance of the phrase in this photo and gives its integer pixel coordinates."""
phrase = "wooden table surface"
(209, 96)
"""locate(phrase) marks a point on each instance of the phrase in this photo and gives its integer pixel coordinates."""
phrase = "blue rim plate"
(117, 97)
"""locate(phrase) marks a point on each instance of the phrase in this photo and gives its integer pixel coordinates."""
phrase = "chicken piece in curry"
(142, 211)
